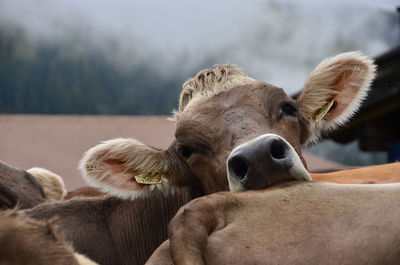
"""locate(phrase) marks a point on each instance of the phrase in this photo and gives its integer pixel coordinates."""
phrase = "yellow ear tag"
(323, 111)
(149, 179)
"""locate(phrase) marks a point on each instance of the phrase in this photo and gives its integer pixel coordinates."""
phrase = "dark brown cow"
(36, 185)
(27, 241)
(18, 187)
(114, 231)
(219, 109)
(54, 187)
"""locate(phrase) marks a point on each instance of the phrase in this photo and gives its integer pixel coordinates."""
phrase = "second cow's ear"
(53, 185)
(127, 168)
(334, 91)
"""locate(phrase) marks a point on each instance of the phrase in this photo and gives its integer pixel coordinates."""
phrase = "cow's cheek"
(217, 173)
(211, 172)
(290, 130)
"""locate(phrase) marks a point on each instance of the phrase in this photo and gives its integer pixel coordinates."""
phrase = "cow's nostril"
(238, 167)
(278, 150)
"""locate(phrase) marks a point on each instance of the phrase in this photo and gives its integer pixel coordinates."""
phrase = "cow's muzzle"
(262, 162)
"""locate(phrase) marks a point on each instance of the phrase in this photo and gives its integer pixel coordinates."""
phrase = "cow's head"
(19, 188)
(222, 108)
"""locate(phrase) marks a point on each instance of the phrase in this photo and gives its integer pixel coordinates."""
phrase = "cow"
(294, 223)
(19, 187)
(27, 188)
(110, 230)
(219, 109)
(27, 241)
(289, 223)
(54, 187)
(387, 173)
(253, 159)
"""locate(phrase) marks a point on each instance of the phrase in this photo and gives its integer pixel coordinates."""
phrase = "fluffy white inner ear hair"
(335, 90)
(53, 185)
(112, 165)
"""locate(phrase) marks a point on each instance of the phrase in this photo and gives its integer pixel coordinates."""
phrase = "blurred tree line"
(45, 79)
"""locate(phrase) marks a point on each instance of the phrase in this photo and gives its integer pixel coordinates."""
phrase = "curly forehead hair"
(210, 82)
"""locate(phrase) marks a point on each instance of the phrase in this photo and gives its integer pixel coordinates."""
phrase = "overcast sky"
(274, 41)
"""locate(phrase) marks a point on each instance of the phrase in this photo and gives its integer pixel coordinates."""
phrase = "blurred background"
(68, 58)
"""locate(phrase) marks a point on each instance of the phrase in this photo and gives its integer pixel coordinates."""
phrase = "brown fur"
(18, 187)
(84, 192)
(245, 112)
(302, 223)
(26, 241)
(388, 173)
(112, 231)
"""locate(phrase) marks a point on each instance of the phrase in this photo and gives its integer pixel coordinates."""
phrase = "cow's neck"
(146, 223)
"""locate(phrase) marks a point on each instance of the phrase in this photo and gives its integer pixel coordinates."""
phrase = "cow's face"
(222, 108)
(19, 188)
(209, 129)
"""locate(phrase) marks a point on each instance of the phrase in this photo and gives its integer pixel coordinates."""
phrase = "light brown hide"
(216, 125)
(298, 223)
(387, 173)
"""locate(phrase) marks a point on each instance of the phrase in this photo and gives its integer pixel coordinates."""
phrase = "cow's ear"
(53, 185)
(127, 168)
(334, 91)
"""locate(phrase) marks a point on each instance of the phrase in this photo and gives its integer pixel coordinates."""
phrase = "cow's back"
(114, 231)
(315, 224)
(387, 173)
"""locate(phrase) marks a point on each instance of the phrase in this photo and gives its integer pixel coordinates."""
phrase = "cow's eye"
(186, 151)
(288, 109)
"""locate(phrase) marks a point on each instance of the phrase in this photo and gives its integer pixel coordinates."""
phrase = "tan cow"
(387, 173)
(298, 223)
(220, 108)
(291, 223)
